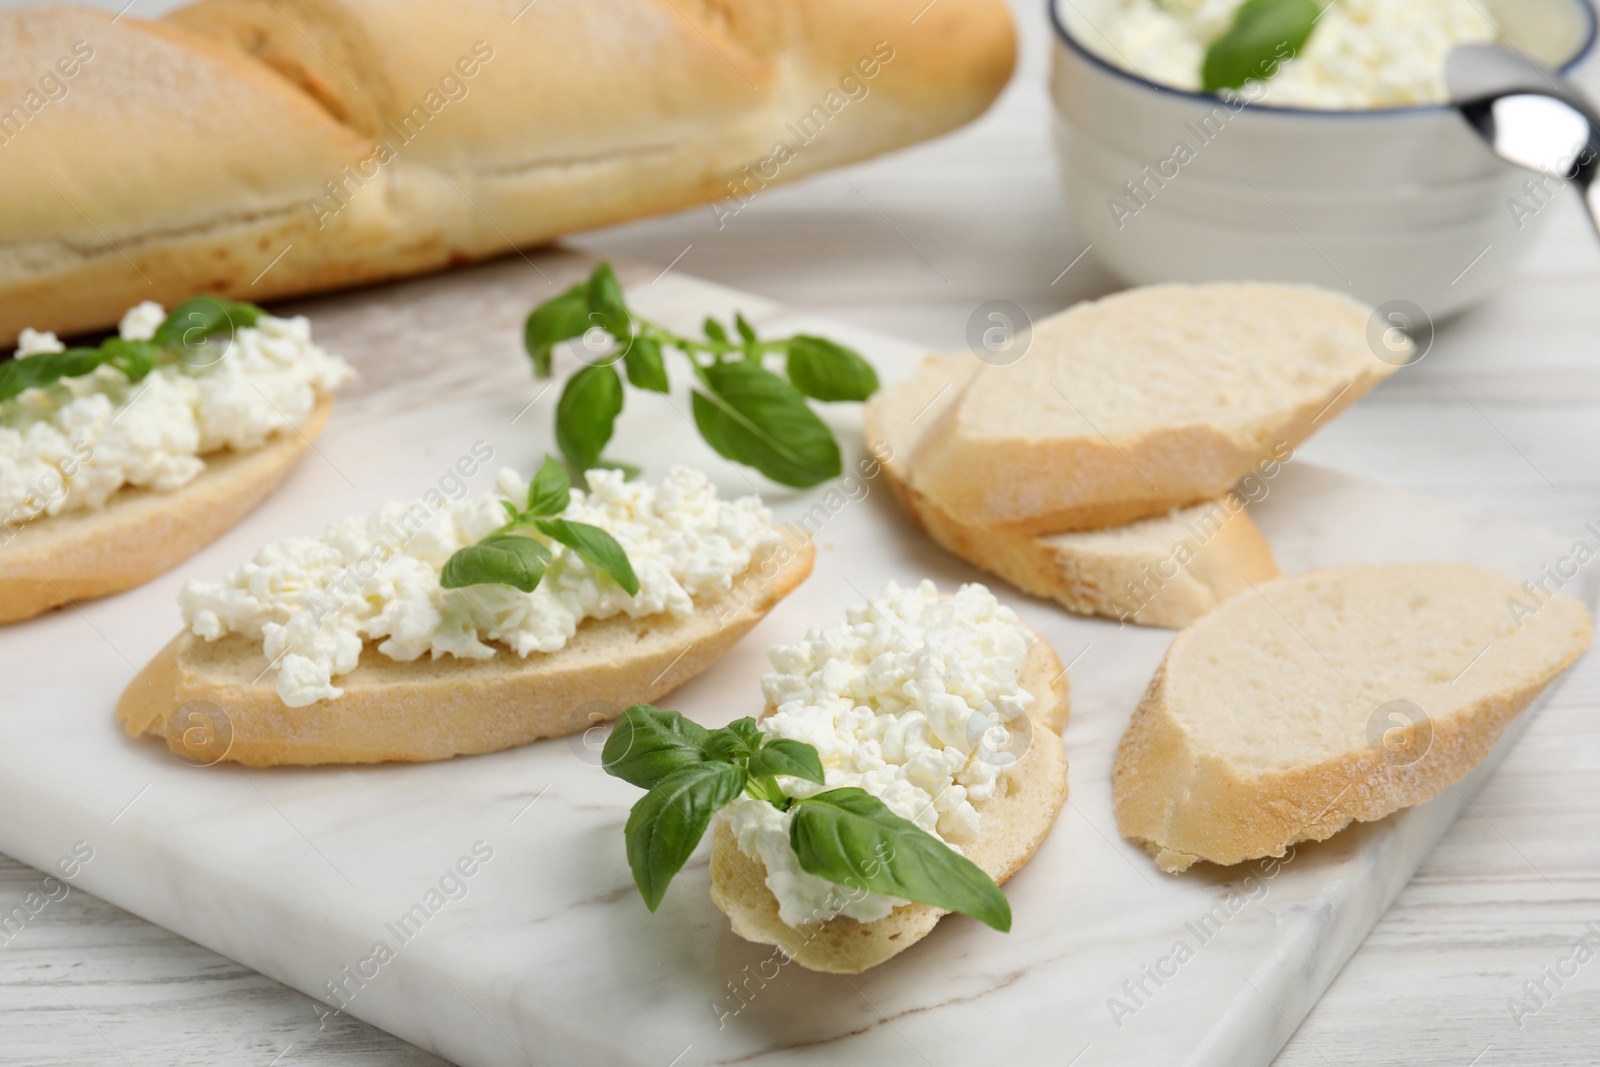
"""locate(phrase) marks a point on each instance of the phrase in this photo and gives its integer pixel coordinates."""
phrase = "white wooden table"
(1503, 417)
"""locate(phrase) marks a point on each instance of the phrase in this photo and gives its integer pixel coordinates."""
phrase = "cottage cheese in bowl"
(1345, 167)
(1361, 53)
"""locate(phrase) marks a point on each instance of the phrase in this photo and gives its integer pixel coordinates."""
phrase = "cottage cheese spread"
(315, 601)
(1362, 53)
(70, 446)
(913, 699)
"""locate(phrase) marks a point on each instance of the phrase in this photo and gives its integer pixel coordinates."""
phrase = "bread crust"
(1185, 804)
(140, 533)
(1014, 825)
(171, 167)
(589, 112)
(1226, 557)
(432, 710)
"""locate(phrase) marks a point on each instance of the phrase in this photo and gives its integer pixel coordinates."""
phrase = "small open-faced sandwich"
(119, 461)
(536, 607)
(909, 761)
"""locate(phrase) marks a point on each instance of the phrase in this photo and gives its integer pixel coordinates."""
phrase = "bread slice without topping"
(1014, 822)
(1149, 400)
(1340, 695)
(140, 533)
(435, 709)
(1163, 571)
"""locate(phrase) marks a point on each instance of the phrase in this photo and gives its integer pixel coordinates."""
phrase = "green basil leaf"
(736, 741)
(133, 358)
(850, 837)
(646, 369)
(511, 510)
(186, 326)
(587, 413)
(607, 308)
(752, 416)
(746, 331)
(780, 755)
(596, 547)
(746, 730)
(713, 329)
(551, 490)
(665, 826)
(558, 319)
(827, 371)
(500, 559)
(242, 314)
(1264, 33)
(649, 743)
(197, 318)
(46, 368)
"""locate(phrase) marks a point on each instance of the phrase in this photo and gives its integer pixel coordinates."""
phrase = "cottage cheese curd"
(913, 699)
(315, 601)
(1362, 53)
(70, 446)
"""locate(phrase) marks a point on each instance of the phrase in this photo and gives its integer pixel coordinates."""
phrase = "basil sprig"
(745, 411)
(1264, 33)
(185, 327)
(846, 835)
(510, 557)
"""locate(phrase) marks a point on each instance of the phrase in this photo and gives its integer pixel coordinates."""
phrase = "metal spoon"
(1529, 116)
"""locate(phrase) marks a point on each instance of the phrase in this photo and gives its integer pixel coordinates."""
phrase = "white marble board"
(546, 955)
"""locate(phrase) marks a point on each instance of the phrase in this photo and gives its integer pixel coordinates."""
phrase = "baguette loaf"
(169, 167)
(1339, 695)
(140, 533)
(1163, 571)
(436, 709)
(1149, 400)
(264, 148)
(1015, 821)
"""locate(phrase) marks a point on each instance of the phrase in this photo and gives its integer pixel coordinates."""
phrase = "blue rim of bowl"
(1587, 6)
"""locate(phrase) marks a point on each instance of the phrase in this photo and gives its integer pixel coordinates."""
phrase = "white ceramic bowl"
(1398, 204)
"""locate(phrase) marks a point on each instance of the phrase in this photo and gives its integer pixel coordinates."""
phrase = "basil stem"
(751, 415)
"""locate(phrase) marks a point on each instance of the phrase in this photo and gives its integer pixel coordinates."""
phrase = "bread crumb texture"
(1339, 695)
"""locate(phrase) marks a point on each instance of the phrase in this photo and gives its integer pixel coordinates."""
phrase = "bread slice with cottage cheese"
(1013, 824)
(1336, 696)
(140, 533)
(1151, 399)
(1163, 571)
(436, 709)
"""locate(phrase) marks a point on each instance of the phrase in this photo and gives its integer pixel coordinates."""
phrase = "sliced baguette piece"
(436, 709)
(1152, 399)
(140, 533)
(1164, 571)
(1014, 822)
(1271, 720)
